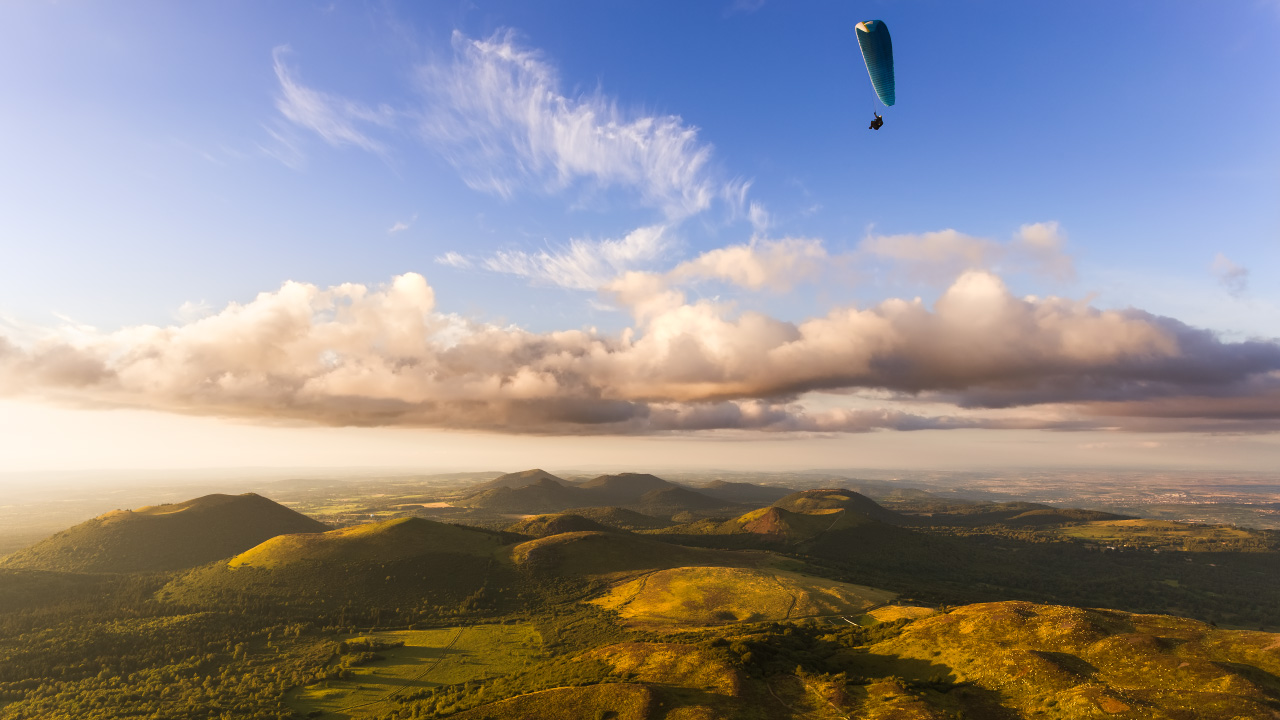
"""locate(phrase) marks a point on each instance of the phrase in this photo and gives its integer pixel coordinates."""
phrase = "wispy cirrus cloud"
(499, 115)
(580, 264)
(339, 121)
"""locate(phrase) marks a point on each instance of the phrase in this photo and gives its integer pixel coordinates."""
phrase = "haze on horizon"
(484, 236)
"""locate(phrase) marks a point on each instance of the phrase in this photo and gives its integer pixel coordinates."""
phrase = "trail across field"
(429, 658)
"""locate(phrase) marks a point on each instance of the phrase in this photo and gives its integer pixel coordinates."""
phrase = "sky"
(497, 235)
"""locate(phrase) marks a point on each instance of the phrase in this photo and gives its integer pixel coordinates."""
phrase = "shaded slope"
(623, 488)
(622, 518)
(165, 537)
(553, 524)
(520, 479)
(582, 554)
(542, 496)
(741, 492)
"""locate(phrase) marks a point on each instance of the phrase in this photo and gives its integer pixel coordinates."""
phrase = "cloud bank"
(354, 355)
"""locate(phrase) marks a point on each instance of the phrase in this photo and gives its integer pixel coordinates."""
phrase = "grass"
(1063, 662)
(429, 658)
(706, 596)
(616, 701)
(377, 541)
(1162, 534)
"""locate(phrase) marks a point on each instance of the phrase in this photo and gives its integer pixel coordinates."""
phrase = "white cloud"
(938, 257)
(453, 259)
(775, 264)
(499, 116)
(583, 264)
(333, 118)
(354, 355)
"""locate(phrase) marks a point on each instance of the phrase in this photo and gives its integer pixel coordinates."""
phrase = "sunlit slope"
(404, 563)
(165, 537)
(618, 701)
(856, 505)
(381, 541)
(582, 554)
(701, 596)
(1074, 663)
(1173, 535)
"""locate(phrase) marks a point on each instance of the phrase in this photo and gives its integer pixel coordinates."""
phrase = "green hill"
(1077, 663)
(582, 554)
(553, 524)
(672, 500)
(702, 596)
(414, 565)
(544, 495)
(520, 479)
(622, 519)
(809, 501)
(623, 488)
(165, 537)
(789, 527)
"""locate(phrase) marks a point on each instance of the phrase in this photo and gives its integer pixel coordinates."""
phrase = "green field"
(1165, 534)
(429, 658)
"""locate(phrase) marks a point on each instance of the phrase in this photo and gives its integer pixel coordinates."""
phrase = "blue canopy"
(877, 52)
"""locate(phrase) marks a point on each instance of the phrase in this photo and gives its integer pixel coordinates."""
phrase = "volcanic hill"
(165, 537)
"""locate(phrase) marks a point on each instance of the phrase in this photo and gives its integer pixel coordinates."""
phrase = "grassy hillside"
(371, 669)
(554, 524)
(165, 537)
(856, 505)
(1172, 535)
(1067, 662)
(399, 570)
(379, 541)
(583, 554)
(703, 596)
(622, 519)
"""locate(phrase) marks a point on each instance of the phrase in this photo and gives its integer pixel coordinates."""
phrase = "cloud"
(1233, 277)
(355, 355)
(938, 257)
(775, 264)
(401, 226)
(337, 120)
(453, 259)
(583, 264)
(497, 113)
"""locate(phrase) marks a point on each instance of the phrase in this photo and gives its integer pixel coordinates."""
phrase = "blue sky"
(161, 162)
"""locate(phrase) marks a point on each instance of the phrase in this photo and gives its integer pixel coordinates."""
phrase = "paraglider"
(877, 53)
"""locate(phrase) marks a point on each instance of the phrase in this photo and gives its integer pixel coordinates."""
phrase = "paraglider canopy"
(877, 53)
